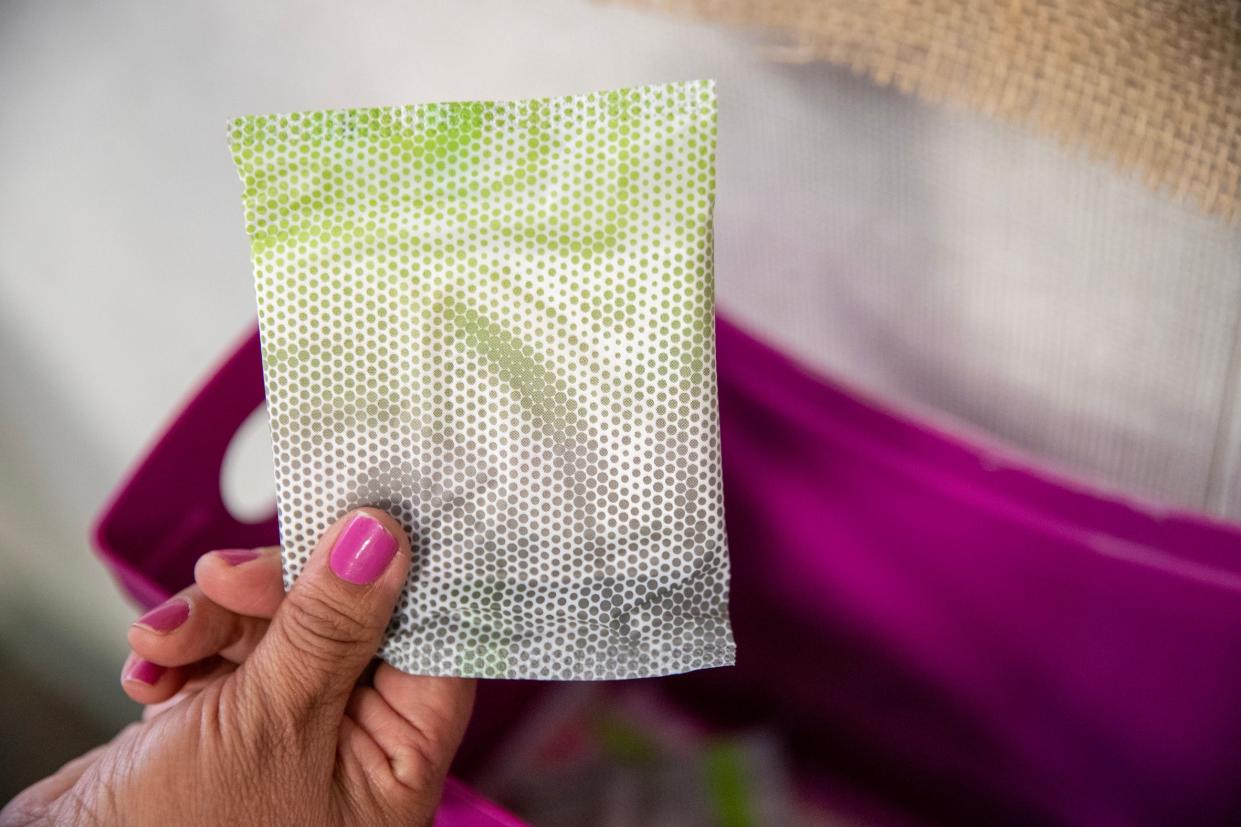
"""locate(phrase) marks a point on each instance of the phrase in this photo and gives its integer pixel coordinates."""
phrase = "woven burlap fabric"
(1153, 86)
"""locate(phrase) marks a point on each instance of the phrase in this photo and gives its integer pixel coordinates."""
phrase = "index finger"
(245, 581)
(438, 708)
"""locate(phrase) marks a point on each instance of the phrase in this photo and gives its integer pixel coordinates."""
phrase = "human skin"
(266, 708)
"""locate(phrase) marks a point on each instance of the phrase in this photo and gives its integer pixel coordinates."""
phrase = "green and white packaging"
(495, 321)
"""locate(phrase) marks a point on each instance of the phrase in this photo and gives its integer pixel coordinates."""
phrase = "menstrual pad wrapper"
(495, 321)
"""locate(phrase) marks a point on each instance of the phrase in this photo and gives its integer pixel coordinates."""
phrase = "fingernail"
(362, 551)
(143, 671)
(237, 556)
(166, 616)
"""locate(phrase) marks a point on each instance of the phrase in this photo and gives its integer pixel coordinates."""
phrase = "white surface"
(945, 262)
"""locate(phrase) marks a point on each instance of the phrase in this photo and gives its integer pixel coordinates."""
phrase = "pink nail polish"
(362, 551)
(143, 671)
(166, 616)
(237, 556)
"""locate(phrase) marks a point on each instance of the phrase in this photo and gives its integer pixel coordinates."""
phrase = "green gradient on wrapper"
(495, 320)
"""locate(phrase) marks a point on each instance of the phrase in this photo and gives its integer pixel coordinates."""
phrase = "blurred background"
(1013, 285)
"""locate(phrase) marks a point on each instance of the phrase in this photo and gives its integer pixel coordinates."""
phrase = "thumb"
(328, 627)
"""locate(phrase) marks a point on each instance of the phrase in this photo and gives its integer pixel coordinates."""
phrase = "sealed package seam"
(496, 322)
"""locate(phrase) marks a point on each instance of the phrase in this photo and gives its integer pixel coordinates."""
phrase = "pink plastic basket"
(939, 634)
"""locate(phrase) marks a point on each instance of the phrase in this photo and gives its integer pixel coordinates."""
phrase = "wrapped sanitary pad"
(495, 321)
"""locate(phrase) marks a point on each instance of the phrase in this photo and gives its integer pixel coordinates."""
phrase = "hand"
(258, 709)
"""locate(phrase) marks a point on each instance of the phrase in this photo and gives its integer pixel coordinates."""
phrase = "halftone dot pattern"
(495, 321)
